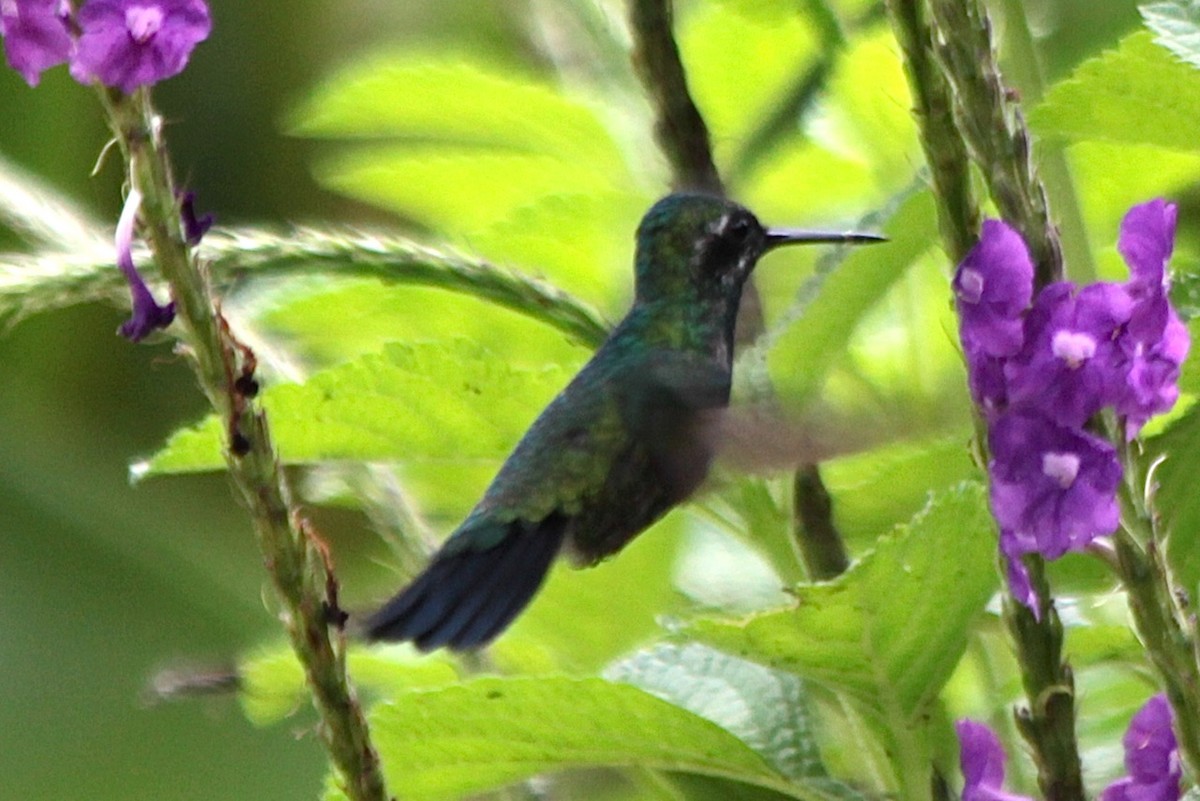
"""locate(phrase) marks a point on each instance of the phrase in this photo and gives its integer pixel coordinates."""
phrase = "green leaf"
(1178, 27)
(871, 633)
(1137, 93)
(451, 401)
(1112, 176)
(870, 110)
(324, 323)
(837, 298)
(803, 180)
(457, 143)
(583, 619)
(490, 732)
(434, 97)
(474, 185)
(581, 242)
(767, 709)
(880, 489)
(739, 64)
(273, 684)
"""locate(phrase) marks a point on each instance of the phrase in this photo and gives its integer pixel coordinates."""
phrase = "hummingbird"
(621, 445)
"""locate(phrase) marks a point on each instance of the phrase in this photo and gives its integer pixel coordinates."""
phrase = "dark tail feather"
(467, 595)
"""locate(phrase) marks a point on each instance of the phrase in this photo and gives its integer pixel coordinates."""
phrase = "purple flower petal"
(982, 760)
(985, 376)
(1053, 489)
(1152, 349)
(1020, 585)
(36, 36)
(1151, 372)
(132, 43)
(1151, 757)
(1147, 240)
(1068, 367)
(194, 228)
(993, 287)
(147, 316)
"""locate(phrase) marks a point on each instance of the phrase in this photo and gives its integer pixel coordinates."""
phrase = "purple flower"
(1151, 370)
(982, 761)
(1068, 367)
(1146, 241)
(1156, 341)
(194, 228)
(1053, 488)
(1151, 757)
(147, 314)
(985, 377)
(993, 287)
(36, 36)
(132, 43)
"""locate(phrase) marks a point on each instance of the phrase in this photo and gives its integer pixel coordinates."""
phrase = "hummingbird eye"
(739, 229)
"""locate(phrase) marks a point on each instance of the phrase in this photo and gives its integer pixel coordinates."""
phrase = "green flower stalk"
(993, 128)
(295, 557)
(963, 108)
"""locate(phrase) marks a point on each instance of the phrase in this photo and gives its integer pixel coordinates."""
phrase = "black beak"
(788, 236)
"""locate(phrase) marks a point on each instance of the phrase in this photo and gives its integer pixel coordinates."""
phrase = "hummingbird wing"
(611, 454)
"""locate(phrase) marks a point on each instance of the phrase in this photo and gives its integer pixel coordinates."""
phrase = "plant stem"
(963, 108)
(993, 128)
(1048, 723)
(1025, 70)
(1165, 627)
(678, 126)
(296, 560)
(32, 283)
(945, 152)
(820, 542)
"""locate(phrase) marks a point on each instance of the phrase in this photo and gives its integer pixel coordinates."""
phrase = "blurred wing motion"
(763, 438)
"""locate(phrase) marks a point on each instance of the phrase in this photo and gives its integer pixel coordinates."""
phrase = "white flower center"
(1073, 347)
(143, 22)
(1062, 467)
(970, 285)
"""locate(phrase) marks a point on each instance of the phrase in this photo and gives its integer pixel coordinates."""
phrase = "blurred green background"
(101, 585)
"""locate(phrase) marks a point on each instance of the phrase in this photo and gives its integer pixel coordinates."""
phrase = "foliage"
(402, 351)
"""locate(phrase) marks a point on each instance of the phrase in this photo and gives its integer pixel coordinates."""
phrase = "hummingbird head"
(702, 247)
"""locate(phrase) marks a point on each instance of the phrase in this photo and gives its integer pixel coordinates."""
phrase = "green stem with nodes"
(1048, 723)
(296, 560)
(945, 152)
(1025, 71)
(993, 128)
(1165, 627)
(963, 108)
